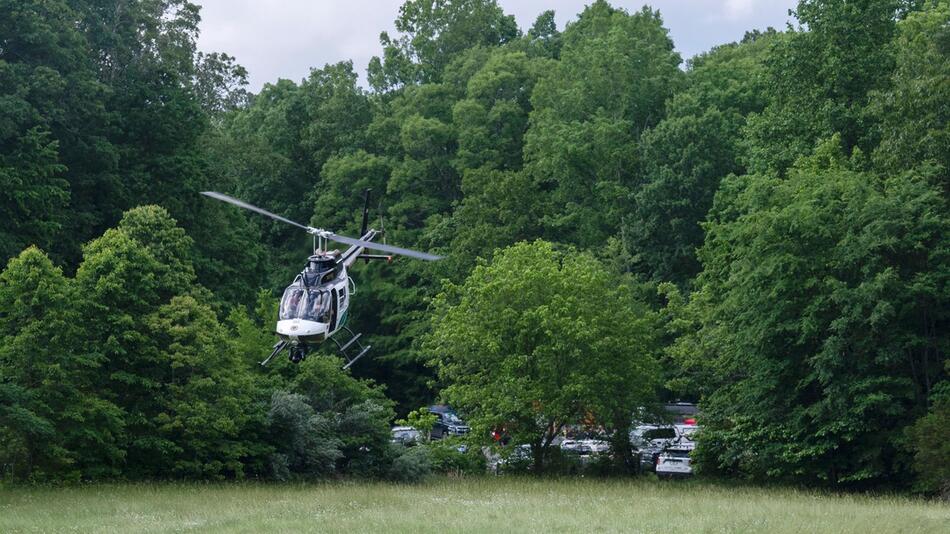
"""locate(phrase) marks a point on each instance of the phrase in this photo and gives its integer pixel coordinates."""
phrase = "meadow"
(454, 505)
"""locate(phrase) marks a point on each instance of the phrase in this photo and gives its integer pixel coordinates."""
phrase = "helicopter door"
(334, 306)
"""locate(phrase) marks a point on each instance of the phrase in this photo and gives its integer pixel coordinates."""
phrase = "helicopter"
(314, 307)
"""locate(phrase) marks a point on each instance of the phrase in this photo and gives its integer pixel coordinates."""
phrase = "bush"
(409, 464)
(931, 446)
(304, 440)
(363, 429)
(447, 458)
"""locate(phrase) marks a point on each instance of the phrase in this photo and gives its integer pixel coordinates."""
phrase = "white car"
(674, 462)
(585, 447)
(405, 435)
(649, 440)
(686, 432)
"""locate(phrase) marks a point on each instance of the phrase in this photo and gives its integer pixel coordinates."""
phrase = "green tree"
(499, 203)
(45, 82)
(422, 420)
(544, 39)
(539, 339)
(127, 275)
(433, 33)
(615, 72)
(826, 321)
(684, 157)
(209, 409)
(220, 83)
(931, 449)
(54, 421)
(838, 55)
(305, 444)
(492, 119)
(913, 115)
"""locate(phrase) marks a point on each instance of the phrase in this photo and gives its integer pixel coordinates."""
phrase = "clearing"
(502, 504)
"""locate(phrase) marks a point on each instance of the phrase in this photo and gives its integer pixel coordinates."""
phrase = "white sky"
(285, 38)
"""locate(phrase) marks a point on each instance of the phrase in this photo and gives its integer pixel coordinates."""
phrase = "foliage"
(555, 339)
(422, 420)
(763, 231)
(411, 464)
(914, 125)
(685, 156)
(829, 66)
(451, 456)
(825, 297)
(614, 73)
(304, 441)
(930, 446)
(54, 420)
(434, 32)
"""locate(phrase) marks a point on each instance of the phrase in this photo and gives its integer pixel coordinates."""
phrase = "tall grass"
(452, 505)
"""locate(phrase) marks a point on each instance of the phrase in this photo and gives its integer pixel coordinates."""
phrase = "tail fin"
(365, 225)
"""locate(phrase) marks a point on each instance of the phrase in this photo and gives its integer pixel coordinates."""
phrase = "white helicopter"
(314, 307)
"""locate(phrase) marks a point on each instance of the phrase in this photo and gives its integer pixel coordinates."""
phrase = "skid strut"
(279, 346)
(343, 347)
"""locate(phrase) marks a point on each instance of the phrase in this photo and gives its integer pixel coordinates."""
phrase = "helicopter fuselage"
(314, 307)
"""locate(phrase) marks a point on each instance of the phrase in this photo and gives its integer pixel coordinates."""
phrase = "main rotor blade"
(245, 205)
(385, 248)
(329, 235)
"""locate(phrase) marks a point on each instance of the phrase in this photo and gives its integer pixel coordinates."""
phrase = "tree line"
(762, 229)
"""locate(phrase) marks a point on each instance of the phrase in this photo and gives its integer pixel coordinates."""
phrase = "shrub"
(451, 456)
(931, 446)
(409, 464)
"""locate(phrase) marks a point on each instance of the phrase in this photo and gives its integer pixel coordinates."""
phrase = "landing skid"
(279, 346)
(343, 347)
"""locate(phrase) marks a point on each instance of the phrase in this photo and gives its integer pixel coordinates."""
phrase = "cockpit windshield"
(305, 303)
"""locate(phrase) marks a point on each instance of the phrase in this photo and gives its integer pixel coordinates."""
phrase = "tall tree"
(826, 320)
(48, 96)
(615, 72)
(554, 338)
(209, 407)
(126, 275)
(839, 54)
(913, 115)
(53, 419)
(684, 157)
(433, 33)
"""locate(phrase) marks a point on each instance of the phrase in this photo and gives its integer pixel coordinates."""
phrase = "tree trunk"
(620, 446)
(537, 453)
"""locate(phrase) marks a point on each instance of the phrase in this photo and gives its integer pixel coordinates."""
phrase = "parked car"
(585, 448)
(687, 433)
(448, 424)
(405, 435)
(648, 441)
(682, 412)
(674, 462)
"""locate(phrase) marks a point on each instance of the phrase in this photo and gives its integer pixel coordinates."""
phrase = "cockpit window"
(303, 303)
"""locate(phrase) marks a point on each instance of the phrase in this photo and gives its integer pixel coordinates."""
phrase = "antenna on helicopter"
(365, 225)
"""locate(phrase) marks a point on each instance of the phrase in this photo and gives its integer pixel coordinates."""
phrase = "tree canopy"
(539, 339)
(761, 229)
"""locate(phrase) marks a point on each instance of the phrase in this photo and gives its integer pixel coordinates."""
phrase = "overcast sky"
(285, 38)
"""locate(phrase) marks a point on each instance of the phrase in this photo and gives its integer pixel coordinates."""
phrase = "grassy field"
(446, 505)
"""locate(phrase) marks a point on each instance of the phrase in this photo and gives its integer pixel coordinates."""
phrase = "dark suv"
(448, 423)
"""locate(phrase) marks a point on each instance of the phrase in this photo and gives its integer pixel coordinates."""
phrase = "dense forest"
(763, 228)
